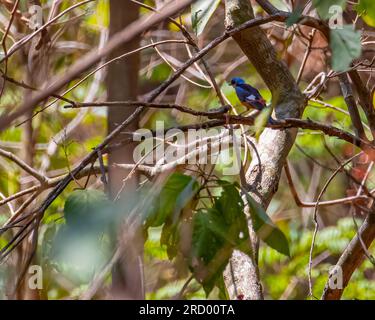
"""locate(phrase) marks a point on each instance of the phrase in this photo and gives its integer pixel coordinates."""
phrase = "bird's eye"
(232, 82)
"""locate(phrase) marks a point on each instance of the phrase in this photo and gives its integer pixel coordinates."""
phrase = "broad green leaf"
(345, 45)
(223, 293)
(170, 238)
(210, 254)
(201, 12)
(229, 203)
(84, 206)
(79, 253)
(231, 208)
(323, 7)
(366, 8)
(82, 246)
(216, 232)
(174, 196)
(294, 17)
(266, 229)
(207, 239)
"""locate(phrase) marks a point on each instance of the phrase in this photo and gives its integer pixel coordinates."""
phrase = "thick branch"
(352, 106)
(222, 118)
(364, 98)
(274, 145)
(352, 257)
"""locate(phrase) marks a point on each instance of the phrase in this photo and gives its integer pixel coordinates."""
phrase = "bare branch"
(23, 165)
(352, 106)
(212, 112)
(352, 257)
(305, 204)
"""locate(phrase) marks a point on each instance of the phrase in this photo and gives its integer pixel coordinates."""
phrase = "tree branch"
(352, 106)
(212, 112)
(263, 175)
(23, 165)
(364, 98)
(304, 204)
(352, 257)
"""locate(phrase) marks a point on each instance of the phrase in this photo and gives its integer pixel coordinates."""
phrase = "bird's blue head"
(236, 81)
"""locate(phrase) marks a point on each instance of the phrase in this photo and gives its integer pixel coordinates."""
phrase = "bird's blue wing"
(250, 97)
(251, 91)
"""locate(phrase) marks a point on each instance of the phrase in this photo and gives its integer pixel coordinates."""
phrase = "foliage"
(346, 46)
(215, 231)
(81, 247)
(329, 244)
(323, 7)
(201, 12)
(266, 229)
(366, 8)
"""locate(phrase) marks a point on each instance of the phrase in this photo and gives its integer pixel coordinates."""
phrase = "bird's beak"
(229, 84)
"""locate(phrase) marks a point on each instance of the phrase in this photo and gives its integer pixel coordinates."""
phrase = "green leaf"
(345, 45)
(266, 229)
(366, 8)
(79, 252)
(231, 208)
(207, 234)
(294, 17)
(210, 254)
(83, 206)
(216, 232)
(201, 12)
(223, 293)
(229, 203)
(170, 238)
(82, 246)
(175, 195)
(323, 6)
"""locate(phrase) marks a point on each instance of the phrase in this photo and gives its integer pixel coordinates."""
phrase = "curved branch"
(352, 257)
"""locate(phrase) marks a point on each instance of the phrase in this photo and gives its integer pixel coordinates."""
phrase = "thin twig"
(305, 204)
(315, 218)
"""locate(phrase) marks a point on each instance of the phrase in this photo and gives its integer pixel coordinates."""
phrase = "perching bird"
(248, 95)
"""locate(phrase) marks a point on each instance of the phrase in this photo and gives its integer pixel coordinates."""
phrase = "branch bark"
(263, 176)
(352, 106)
(352, 257)
(364, 98)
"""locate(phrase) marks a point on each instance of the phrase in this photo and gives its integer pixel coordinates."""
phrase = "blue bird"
(248, 95)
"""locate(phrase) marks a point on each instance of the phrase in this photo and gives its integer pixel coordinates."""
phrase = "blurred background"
(72, 248)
